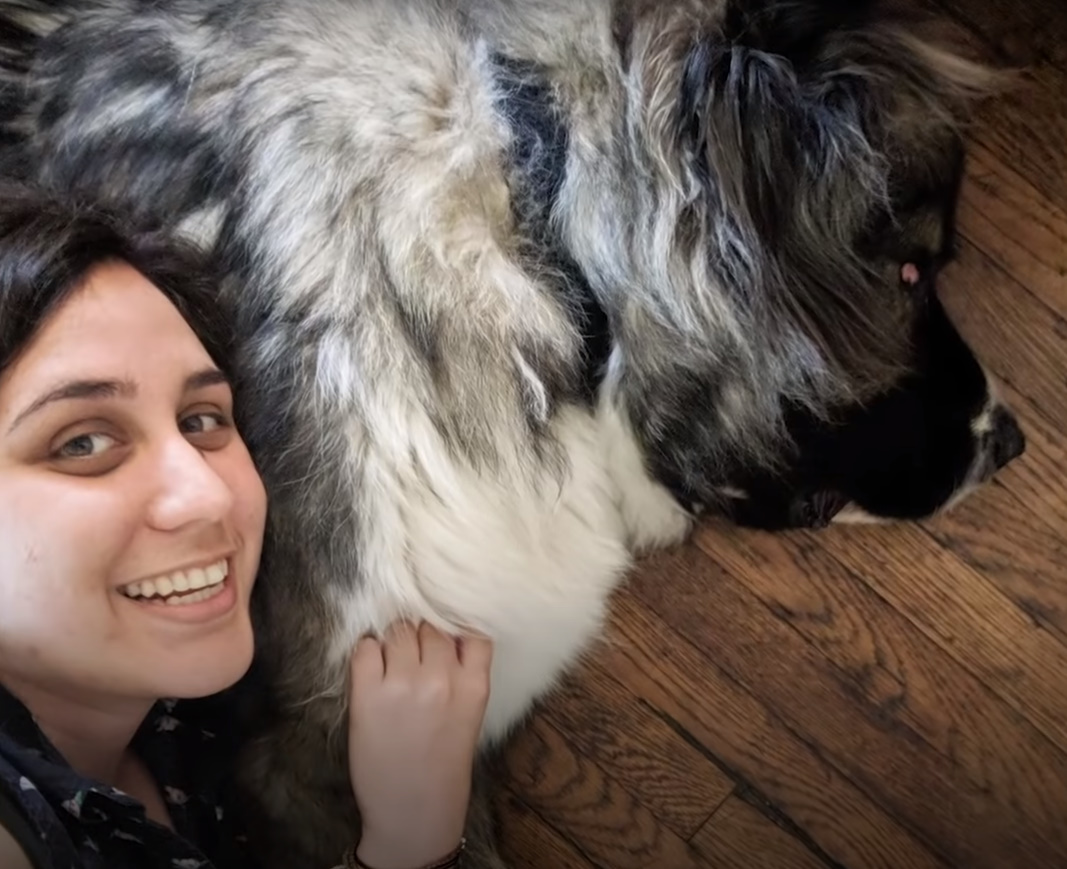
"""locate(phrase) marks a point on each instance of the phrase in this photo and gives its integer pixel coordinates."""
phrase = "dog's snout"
(1008, 440)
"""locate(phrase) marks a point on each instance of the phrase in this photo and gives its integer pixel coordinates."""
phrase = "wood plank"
(605, 723)
(1035, 480)
(711, 609)
(1025, 33)
(902, 677)
(738, 836)
(752, 742)
(1024, 553)
(527, 842)
(1018, 228)
(964, 614)
(580, 801)
(1014, 335)
(1026, 129)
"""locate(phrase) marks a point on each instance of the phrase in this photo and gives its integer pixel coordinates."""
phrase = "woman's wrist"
(363, 854)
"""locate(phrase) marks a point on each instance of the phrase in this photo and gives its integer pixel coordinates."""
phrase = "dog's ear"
(742, 120)
(792, 29)
(741, 98)
(780, 131)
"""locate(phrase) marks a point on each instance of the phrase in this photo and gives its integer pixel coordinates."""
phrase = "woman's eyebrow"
(78, 390)
(75, 390)
(205, 378)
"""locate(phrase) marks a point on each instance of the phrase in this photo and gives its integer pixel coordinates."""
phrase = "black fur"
(539, 165)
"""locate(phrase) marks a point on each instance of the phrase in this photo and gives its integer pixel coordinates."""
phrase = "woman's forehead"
(116, 325)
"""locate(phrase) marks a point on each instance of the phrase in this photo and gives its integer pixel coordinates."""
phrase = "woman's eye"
(85, 446)
(201, 422)
(214, 425)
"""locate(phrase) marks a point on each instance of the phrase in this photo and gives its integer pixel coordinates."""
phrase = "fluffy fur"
(522, 285)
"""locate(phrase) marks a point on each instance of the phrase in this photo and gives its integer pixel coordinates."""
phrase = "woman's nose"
(188, 489)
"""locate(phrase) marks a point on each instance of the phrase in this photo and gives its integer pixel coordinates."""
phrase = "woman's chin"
(211, 668)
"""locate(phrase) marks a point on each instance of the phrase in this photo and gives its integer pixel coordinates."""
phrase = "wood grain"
(967, 616)
(527, 842)
(1025, 127)
(1021, 33)
(739, 836)
(899, 677)
(1013, 333)
(1022, 231)
(929, 793)
(753, 743)
(604, 722)
(575, 796)
(1026, 559)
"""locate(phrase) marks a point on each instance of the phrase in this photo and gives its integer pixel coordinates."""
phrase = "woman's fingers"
(438, 650)
(400, 648)
(476, 653)
(405, 648)
(368, 665)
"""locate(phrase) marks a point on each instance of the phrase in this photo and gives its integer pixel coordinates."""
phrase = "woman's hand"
(417, 704)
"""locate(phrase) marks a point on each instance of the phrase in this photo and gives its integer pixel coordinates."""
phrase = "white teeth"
(200, 583)
(194, 597)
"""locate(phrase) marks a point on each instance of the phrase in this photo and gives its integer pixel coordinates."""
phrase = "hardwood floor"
(866, 697)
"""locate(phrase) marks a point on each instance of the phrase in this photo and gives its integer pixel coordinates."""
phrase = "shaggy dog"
(523, 286)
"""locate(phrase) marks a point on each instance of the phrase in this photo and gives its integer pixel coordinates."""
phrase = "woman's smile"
(197, 594)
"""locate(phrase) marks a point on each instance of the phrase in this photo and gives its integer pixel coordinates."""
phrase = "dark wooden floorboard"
(898, 676)
(739, 836)
(753, 743)
(966, 615)
(888, 697)
(1024, 558)
(588, 806)
(528, 842)
(609, 725)
(1013, 224)
(929, 793)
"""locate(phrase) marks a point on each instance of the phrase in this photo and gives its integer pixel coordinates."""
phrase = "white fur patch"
(855, 515)
(529, 562)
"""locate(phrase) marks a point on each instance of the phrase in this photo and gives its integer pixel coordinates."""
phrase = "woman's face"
(126, 495)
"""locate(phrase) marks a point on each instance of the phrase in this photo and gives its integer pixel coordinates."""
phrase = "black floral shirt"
(67, 821)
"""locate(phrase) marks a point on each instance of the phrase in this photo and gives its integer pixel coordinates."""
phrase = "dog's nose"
(1008, 439)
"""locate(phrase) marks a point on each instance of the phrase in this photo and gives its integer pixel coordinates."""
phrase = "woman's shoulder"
(20, 845)
(35, 786)
(61, 818)
(30, 829)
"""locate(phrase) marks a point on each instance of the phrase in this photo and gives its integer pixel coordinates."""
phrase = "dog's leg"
(300, 811)
(482, 831)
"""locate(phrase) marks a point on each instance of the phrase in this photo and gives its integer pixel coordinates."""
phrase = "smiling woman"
(117, 423)
(131, 529)
(131, 523)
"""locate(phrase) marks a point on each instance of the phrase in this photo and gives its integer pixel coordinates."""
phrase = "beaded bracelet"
(452, 861)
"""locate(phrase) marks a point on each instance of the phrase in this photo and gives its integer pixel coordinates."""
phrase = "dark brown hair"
(48, 244)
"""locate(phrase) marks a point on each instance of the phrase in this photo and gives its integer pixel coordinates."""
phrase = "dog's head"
(919, 447)
(786, 357)
(933, 434)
